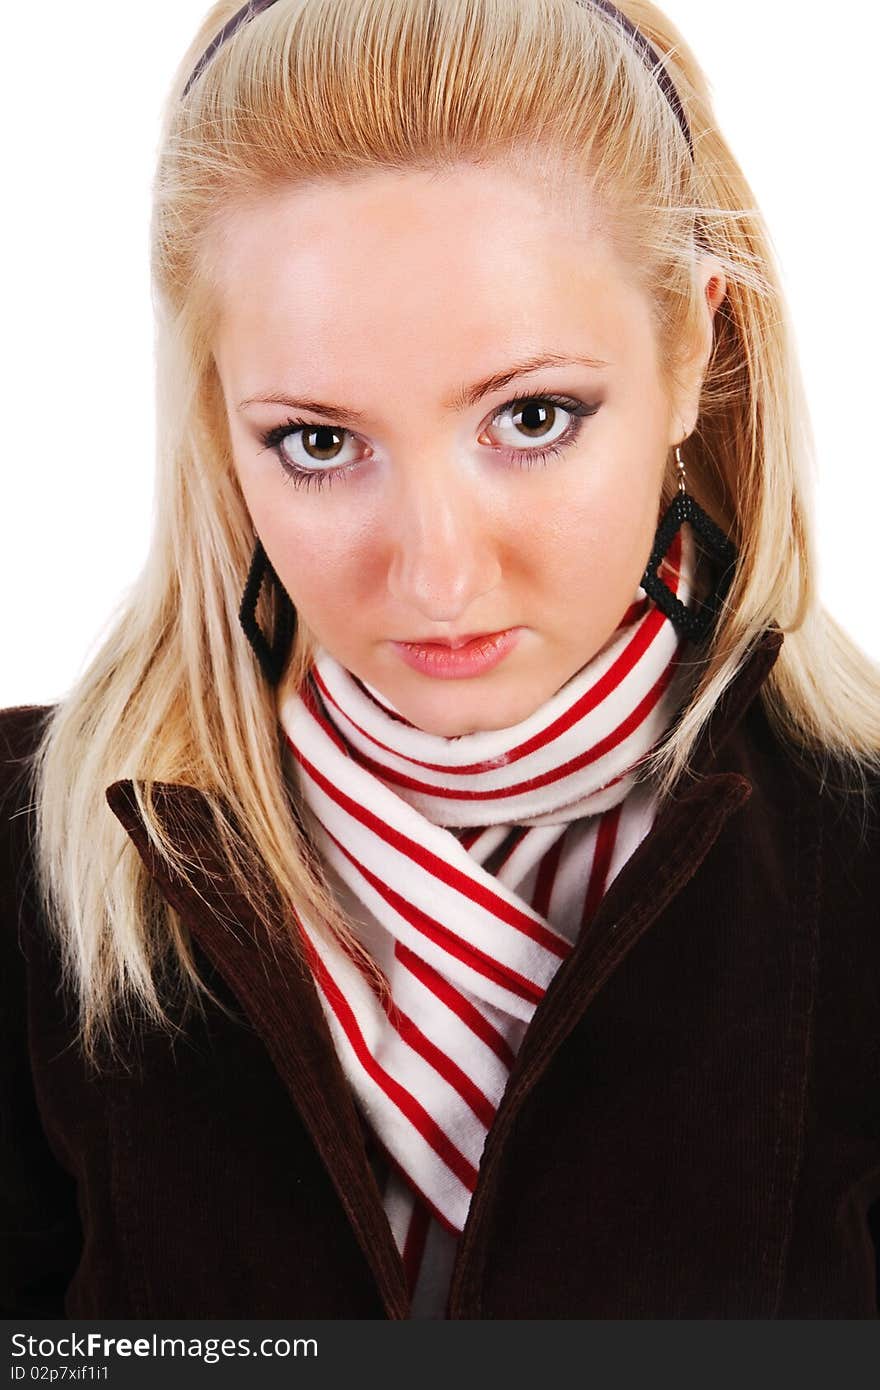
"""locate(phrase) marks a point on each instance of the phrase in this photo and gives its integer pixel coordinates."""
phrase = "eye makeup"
(524, 458)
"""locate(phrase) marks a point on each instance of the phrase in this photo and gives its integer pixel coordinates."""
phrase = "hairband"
(650, 55)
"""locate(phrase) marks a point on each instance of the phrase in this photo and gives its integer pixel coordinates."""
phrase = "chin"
(446, 723)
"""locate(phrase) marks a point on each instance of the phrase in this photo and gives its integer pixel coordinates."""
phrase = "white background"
(795, 93)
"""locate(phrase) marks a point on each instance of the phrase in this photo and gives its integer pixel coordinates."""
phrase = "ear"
(713, 288)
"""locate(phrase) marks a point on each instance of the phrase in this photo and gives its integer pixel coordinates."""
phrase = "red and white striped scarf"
(468, 866)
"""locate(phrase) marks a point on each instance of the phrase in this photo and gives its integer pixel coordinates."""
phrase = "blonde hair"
(332, 89)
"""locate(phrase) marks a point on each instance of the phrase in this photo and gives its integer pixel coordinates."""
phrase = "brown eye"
(538, 418)
(302, 446)
(544, 421)
(323, 450)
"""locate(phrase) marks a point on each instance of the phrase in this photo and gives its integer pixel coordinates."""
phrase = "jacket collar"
(279, 997)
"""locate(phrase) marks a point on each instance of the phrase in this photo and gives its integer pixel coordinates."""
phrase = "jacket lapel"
(679, 841)
(280, 1000)
(669, 855)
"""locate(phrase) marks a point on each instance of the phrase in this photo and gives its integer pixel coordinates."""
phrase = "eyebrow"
(462, 397)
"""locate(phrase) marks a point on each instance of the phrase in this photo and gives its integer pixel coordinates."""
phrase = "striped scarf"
(468, 867)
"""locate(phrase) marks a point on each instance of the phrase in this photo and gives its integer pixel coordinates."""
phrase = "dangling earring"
(271, 655)
(692, 622)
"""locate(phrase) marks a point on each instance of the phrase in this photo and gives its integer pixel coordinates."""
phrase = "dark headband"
(650, 55)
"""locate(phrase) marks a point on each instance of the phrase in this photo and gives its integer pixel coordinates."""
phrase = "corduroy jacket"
(691, 1128)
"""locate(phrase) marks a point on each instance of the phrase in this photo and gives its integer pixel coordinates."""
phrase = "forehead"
(475, 254)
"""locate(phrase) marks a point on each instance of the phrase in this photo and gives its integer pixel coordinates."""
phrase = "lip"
(471, 659)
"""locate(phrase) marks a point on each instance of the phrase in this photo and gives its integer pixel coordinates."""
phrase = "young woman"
(451, 891)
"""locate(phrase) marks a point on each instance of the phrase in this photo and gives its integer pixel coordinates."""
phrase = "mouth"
(455, 643)
(467, 655)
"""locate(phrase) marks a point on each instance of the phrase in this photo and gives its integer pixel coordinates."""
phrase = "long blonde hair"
(332, 89)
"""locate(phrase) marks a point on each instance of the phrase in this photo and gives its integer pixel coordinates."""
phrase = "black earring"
(270, 654)
(692, 622)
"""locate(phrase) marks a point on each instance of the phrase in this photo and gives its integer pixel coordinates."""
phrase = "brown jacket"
(691, 1128)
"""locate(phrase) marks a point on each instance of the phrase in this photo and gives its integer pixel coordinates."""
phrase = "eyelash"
(525, 458)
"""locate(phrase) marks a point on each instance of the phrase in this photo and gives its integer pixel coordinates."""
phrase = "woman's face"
(436, 335)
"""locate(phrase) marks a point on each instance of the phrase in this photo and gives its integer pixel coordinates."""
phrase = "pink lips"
(471, 659)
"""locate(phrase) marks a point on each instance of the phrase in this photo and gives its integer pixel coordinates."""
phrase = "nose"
(443, 553)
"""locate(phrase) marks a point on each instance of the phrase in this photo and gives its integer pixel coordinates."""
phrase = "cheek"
(321, 558)
(594, 542)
